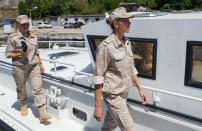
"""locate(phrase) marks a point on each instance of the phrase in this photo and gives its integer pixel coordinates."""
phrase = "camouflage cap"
(119, 13)
(22, 19)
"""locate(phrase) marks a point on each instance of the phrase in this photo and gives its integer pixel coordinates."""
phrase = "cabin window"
(144, 51)
(193, 72)
(59, 68)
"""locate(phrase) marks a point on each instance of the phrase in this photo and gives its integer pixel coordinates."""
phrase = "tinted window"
(193, 72)
(144, 51)
(59, 68)
(197, 64)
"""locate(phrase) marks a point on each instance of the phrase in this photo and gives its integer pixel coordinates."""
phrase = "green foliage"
(74, 7)
(21, 8)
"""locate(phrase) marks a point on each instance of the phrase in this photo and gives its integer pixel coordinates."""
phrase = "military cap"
(22, 19)
(119, 13)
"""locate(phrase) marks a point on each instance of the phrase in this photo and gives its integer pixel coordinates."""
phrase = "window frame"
(154, 60)
(188, 66)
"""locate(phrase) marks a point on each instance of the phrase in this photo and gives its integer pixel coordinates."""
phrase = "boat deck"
(10, 113)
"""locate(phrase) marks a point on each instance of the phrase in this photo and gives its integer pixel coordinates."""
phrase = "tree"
(21, 7)
(69, 7)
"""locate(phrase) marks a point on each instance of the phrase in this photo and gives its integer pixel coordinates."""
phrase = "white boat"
(168, 56)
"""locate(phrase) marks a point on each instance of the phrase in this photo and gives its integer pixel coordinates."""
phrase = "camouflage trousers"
(32, 73)
(117, 113)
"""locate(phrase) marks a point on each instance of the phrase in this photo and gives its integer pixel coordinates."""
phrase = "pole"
(30, 16)
(30, 19)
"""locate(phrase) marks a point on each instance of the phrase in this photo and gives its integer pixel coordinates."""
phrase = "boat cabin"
(168, 56)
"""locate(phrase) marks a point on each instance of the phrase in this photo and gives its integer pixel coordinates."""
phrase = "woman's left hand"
(41, 68)
(144, 97)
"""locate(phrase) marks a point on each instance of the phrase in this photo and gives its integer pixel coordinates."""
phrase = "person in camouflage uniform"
(22, 47)
(114, 74)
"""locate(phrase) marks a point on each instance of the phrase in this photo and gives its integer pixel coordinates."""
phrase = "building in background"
(83, 18)
(8, 25)
(55, 21)
(61, 20)
(86, 19)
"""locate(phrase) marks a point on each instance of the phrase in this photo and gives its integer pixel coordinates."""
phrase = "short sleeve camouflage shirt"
(114, 66)
(14, 45)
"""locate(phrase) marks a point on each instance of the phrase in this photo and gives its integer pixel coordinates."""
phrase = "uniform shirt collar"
(19, 35)
(117, 42)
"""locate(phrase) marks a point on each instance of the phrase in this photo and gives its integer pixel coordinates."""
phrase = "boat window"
(88, 69)
(62, 54)
(193, 72)
(59, 68)
(144, 50)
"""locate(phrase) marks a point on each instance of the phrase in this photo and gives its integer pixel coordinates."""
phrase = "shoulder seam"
(107, 41)
(14, 34)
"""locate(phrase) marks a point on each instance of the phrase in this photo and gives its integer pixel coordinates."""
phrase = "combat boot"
(43, 116)
(23, 108)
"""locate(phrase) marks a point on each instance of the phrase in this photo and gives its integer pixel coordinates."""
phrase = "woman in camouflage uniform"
(115, 73)
(22, 47)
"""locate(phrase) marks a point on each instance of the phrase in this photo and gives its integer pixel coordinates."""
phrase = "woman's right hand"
(98, 113)
(23, 53)
(20, 52)
(17, 54)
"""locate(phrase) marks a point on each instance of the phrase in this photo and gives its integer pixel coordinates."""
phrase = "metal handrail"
(172, 93)
(83, 73)
(61, 41)
(54, 61)
(50, 42)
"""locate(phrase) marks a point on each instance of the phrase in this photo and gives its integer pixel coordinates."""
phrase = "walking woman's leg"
(20, 77)
(36, 85)
(120, 113)
(39, 98)
(109, 123)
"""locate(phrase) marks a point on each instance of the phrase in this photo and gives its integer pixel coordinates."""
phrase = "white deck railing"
(54, 42)
(172, 93)
(74, 68)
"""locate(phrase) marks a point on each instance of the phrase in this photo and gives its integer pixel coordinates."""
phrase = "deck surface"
(10, 110)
